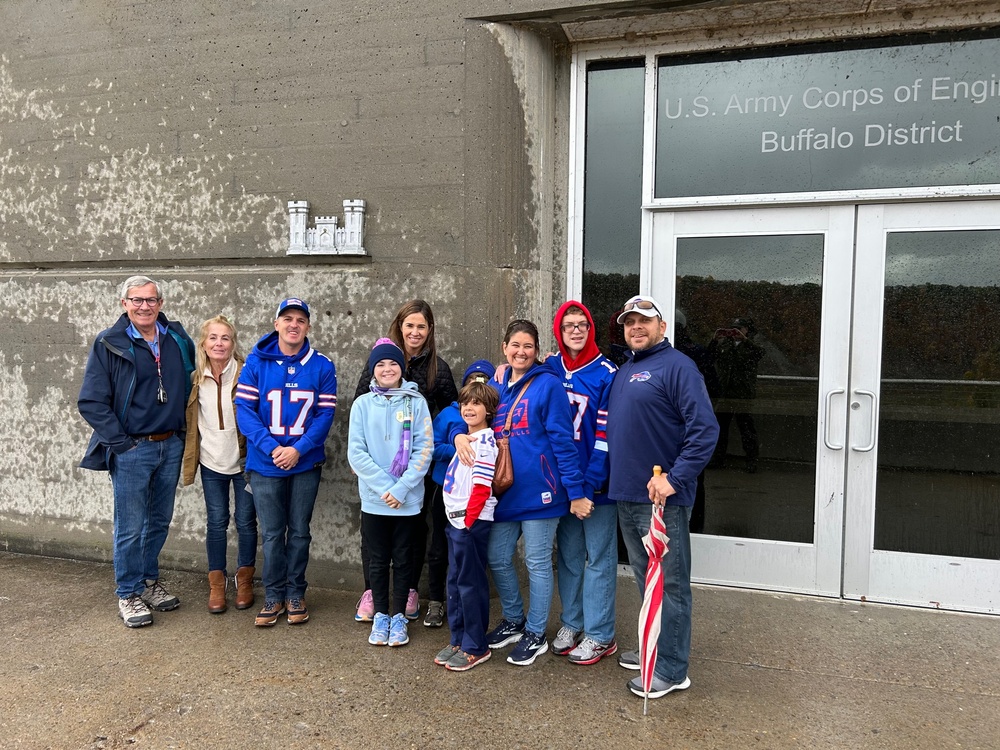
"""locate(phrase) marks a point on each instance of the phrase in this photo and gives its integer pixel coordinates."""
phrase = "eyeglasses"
(641, 306)
(137, 301)
(569, 327)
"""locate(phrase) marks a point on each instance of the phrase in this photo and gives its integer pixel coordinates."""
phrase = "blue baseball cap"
(292, 303)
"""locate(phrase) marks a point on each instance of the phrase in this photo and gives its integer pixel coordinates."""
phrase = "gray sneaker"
(134, 612)
(658, 688)
(435, 614)
(629, 659)
(157, 597)
(566, 640)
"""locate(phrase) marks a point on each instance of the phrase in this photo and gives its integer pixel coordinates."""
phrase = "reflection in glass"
(612, 193)
(748, 313)
(938, 490)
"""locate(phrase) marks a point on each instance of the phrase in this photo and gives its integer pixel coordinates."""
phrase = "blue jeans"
(284, 509)
(144, 481)
(587, 558)
(674, 643)
(538, 535)
(216, 488)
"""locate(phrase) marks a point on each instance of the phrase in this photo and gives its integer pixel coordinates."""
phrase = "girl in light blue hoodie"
(390, 445)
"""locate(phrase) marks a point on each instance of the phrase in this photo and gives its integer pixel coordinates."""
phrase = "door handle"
(826, 420)
(871, 422)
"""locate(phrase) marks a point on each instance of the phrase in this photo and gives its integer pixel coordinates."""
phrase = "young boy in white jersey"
(469, 504)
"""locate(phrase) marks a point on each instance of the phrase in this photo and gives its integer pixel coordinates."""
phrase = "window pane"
(938, 490)
(749, 315)
(612, 193)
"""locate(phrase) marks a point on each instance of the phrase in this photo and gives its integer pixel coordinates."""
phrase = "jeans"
(284, 508)
(144, 480)
(538, 535)
(468, 587)
(674, 643)
(216, 488)
(587, 560)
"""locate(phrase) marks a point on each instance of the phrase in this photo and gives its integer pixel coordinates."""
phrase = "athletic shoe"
(629, 660)
(134, 612)
(463, 661)
(269, 614)
(528, 648)
(658, 688)
(565, 640)
(505, 633)
(397, 631)
(412, 605)
(590, 651)
(445, 654)
(380, 630)
(366, 607)
(158, 598)
(297, 612)
(435, 614)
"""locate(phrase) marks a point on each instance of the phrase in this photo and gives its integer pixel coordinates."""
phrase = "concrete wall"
(166, 138)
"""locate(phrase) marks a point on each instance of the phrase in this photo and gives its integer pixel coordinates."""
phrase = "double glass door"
(853, 357)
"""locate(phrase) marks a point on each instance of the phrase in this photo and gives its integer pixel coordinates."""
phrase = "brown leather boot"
(244, 587)
(217, 591)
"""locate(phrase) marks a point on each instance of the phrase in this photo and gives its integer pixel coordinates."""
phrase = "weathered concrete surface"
(767, 671)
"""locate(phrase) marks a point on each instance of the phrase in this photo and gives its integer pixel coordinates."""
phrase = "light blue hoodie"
(376, 428)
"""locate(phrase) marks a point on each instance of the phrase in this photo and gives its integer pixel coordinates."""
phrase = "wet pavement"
(768, 671)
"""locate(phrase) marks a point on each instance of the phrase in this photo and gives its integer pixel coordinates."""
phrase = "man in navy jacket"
(659, 414)
(134, 392)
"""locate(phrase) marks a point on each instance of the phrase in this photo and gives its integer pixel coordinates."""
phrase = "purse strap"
(510, 413)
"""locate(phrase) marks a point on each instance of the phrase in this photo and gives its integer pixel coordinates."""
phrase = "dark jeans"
(468, 587)
(284, 508)
(216, 487)
(390, 545)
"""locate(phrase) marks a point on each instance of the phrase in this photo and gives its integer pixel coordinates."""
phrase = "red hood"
(590, 350)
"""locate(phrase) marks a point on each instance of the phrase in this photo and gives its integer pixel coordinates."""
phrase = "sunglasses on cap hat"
(642, 305)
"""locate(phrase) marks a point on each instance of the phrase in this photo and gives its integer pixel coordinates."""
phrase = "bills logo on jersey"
(640, 377)
(519, 421)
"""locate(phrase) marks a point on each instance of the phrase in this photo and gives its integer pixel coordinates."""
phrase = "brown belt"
(156, 438)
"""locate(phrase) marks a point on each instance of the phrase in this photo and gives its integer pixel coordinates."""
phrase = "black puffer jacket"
(440, 394)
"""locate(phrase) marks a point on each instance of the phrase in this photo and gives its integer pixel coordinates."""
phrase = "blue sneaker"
(528, 648)
(397, 631)
(505, 633)
(380, 630)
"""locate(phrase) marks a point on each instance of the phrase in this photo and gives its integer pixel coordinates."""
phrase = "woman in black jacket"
(413, 331)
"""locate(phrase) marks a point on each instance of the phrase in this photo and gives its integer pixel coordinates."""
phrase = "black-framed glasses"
(569, 327)
(138, 301)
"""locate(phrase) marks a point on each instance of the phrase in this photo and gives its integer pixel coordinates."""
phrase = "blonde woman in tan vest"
(214, 443)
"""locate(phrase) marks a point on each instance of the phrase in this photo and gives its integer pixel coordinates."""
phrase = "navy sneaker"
(505, 633)
(528, 648)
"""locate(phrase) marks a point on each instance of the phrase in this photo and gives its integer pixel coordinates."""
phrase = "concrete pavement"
(768, 671)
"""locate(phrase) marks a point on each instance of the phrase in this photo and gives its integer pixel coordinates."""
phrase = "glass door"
(762, 300)
(923, 458)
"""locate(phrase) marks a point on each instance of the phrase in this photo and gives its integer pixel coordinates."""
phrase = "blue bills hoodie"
(547, 471)
(285, 400)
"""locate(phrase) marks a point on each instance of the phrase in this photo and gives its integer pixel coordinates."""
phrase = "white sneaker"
(158, 598)
(134, 612)
(566, 640)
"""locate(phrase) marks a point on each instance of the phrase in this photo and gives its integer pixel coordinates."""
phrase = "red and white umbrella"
(655, 543)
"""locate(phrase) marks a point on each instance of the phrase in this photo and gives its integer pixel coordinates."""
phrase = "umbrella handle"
(657, 470)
